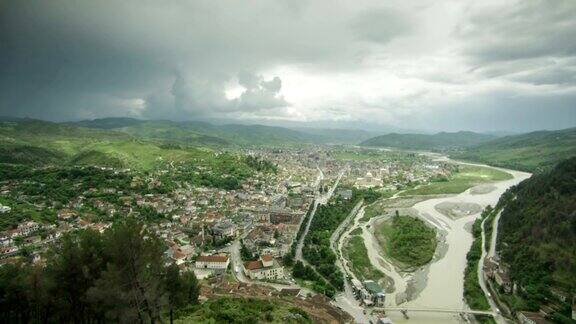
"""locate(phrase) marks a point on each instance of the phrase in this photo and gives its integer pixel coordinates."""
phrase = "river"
(443, 284)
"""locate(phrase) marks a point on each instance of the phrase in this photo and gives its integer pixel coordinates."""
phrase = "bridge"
(405, 310)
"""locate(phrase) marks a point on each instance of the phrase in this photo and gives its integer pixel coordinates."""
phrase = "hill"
(34, 142)
(537, 233)
(440, 141)
(534, 151)
(204, 134)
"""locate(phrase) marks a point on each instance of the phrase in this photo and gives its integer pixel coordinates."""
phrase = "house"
(64, 214)
(532, 318)
(27, 228)
(264, 269)
(214, 262)
(8, 251)
(180, 254)
(224, 228)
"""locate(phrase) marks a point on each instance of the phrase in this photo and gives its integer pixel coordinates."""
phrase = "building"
(376, 295)
(214, 262)
(369, 181)
(180, 254)
(264, 269)
(282, 217)
(27, 228)
(224, 229)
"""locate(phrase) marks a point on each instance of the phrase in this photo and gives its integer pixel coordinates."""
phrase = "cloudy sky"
(491, 65)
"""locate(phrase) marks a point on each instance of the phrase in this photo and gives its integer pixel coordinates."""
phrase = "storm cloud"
(431, 65)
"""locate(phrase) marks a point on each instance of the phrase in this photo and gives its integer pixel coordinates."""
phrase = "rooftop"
(212, 258)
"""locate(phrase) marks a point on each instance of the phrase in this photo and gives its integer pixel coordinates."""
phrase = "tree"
(73, 267)
(175, 289)
(191, 287)
(131, 287)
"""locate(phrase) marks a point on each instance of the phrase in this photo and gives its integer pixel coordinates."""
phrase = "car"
(237, 269)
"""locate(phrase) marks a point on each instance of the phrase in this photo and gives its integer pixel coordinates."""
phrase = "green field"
(355, 251)
(407, 240)
(468, 176)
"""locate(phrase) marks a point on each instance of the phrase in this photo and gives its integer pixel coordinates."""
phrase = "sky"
(442, 65)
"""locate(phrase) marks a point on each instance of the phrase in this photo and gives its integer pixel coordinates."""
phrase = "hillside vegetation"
(532, 152)
(537, 232)
(206, 134)
(39, 143)
(439, 141)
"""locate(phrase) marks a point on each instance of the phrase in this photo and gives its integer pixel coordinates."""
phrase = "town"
(204, 227)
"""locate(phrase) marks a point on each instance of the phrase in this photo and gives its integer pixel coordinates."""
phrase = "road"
(346, 300)
(492, 251)
(321, 199)
(481, 277)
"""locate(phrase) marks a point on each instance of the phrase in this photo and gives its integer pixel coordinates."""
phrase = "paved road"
(481, 279)
(492, 251)
(319, 200)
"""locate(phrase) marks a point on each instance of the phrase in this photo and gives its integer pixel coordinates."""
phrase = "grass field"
(468, 176)
(407, 240)
(355, 251)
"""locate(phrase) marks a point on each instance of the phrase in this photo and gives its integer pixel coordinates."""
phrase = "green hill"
(534, 151)
(205, 134)
(35, 142)
(439, 141)
(537, 233)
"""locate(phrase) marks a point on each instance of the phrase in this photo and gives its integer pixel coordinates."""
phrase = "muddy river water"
(440, 284)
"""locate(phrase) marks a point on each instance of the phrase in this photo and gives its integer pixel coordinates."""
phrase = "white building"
(212, 262)
(369, 181)
(264, 269)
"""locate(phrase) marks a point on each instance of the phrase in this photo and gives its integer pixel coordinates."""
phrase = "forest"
(408, 240)
(328, 217)
(119, 276)
(537, 234)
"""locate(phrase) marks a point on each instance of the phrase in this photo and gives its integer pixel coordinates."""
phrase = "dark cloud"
(418, 63)
(526, 29)
(380, 25)
(61, 57)
(201, 97)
